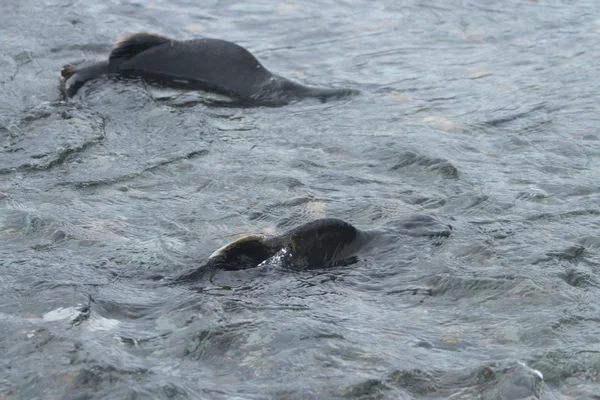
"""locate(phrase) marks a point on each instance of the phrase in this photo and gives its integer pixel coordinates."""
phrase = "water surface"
(480, 115)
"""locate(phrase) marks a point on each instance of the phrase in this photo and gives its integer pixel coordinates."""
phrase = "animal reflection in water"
(317, 244)
(206, 64)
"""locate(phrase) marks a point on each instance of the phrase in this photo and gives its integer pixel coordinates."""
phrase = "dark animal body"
(201, 64)
(316, 244)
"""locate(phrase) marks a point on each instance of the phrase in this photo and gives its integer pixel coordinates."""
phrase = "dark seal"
(316, 244)
(206, 64)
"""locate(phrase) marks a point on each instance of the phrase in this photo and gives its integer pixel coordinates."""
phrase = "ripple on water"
(495, 380)
(411, 163)
(481, 288)
(486, 114)
(47, 136)
(15, 222)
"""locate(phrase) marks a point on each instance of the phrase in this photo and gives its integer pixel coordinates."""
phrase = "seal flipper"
(132, 45)
(125, 49)
(74, 77)
(68, 70)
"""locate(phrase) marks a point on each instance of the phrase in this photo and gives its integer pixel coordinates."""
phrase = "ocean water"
(473, 152)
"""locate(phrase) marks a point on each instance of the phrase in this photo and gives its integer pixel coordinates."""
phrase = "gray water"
(479, 115)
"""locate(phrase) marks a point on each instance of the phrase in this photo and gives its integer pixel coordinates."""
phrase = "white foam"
(61, 313)
(535, 371)
(101, 324)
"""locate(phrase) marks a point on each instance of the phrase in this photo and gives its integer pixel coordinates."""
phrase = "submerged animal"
(316, 244)
(206, 64)
(321, 243)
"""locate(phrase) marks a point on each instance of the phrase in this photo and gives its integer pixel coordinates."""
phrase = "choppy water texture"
(476, 114)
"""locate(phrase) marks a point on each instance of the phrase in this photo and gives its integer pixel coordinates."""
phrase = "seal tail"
(131, 45)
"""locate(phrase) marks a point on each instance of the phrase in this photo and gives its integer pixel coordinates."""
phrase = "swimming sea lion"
(201, 64)
(316, 244)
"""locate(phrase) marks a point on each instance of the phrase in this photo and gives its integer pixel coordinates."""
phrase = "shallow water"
(479, 115)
